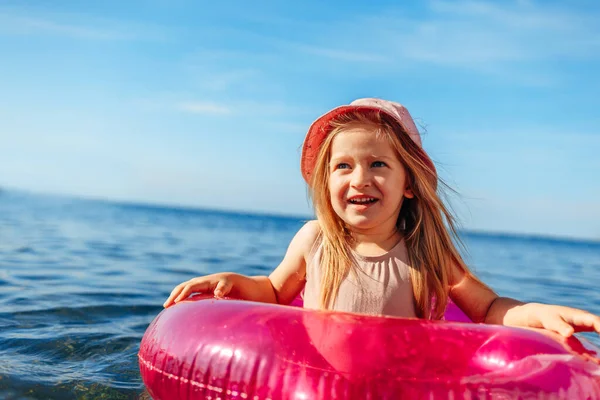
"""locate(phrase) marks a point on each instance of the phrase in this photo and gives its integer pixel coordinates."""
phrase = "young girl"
(382, 243)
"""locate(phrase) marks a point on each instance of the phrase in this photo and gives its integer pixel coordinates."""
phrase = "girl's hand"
(560, 319)
(220, 284)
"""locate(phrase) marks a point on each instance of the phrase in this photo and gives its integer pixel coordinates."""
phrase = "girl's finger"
(584, 322)
(168, 302)
(558, 325)
(223, 288)
(194, 286)
(174, 293)
(185, 292)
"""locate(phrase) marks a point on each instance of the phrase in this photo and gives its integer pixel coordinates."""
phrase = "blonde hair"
(426, 224)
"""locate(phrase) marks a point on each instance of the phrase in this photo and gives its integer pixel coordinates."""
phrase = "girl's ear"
(408, 193)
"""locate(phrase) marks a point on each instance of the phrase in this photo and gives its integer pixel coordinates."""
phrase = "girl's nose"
(360, 177)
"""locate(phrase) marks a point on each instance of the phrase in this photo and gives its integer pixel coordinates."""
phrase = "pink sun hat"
(321, 128)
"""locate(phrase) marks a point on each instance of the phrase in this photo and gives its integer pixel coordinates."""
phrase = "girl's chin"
(360, 222)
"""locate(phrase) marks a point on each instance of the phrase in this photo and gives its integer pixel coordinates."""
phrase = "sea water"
(80, 280)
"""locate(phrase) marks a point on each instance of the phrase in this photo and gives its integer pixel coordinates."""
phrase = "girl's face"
(367, 182)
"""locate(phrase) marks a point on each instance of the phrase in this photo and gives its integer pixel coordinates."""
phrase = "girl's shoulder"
(308, 236)
(311, 231)
(312, 228)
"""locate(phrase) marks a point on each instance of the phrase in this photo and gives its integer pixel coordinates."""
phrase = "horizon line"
(291, 216)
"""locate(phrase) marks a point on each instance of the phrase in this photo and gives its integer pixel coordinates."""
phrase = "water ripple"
(81, 280)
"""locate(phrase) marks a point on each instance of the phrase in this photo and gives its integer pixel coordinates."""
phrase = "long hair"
(426, 224)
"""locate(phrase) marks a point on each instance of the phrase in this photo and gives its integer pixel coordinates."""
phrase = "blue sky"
(204, 104)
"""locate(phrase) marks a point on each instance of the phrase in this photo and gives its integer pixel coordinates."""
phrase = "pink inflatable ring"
(230, 349)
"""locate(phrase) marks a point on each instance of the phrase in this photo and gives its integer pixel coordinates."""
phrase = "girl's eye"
(342, 166)
(378, 164)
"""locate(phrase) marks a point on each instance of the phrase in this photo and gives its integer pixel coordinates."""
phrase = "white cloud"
(28, 21)
(240, 107)
(225, 80)
(216, 71)
(504, 40)
(204, 107)
(343, 55)
(520, 14)
(516, 41)
(27, 25)
(522, 31)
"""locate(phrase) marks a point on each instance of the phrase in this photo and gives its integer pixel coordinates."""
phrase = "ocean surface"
(80, 281)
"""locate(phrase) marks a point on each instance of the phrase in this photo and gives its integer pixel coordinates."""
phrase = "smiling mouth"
(363, 200)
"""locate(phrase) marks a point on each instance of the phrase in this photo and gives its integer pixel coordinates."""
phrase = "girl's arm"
(472, 297)
(288, 279)
(481, 304)
(282, 286)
